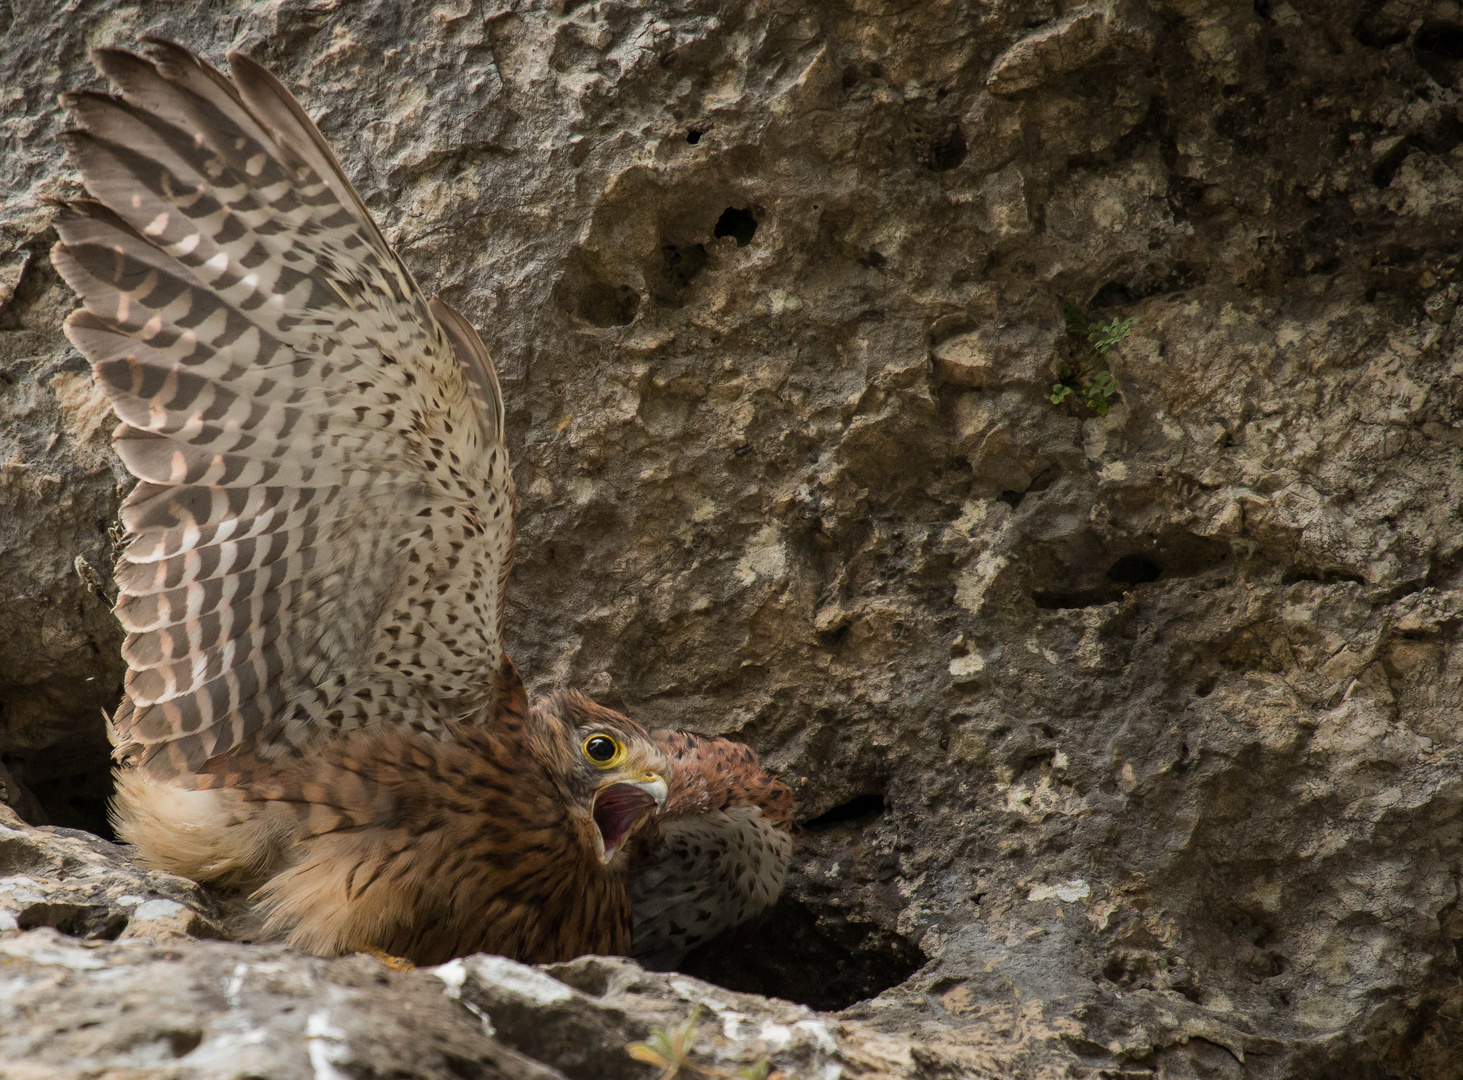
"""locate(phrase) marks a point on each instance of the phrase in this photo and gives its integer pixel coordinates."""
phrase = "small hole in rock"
(1386, 169)
(947, 153)
(183, 1042)
(1113, 294)
(739, 224)
(669, 280)
(1437, 48)
(861, 809)
(606, 305)
(811, 947)
(694, 136)
(1134, 570)
(587, 974)
(68, 784)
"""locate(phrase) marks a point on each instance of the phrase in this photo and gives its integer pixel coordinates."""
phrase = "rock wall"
(1126, 744)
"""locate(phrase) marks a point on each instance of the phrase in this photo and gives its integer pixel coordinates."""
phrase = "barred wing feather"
(324, 515)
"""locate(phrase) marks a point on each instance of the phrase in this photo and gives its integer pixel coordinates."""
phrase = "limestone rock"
(1125, 744)
(86, 888)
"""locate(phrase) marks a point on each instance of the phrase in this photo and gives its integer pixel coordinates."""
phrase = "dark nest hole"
(807, 949)
(68, 784)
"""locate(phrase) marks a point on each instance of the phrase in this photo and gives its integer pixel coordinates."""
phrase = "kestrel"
(318, 709)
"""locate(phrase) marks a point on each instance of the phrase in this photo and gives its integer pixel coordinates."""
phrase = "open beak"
(620, 808)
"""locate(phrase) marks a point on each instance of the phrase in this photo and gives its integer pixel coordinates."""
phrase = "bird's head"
(611, 771)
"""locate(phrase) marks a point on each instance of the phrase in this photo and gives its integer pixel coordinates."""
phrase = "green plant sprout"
(1086, 372)
(669, 1048)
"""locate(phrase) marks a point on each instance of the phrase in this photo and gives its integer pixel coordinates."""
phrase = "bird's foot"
(395, 963)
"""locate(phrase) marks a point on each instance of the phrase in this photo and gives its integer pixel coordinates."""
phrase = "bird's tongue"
(616, 810)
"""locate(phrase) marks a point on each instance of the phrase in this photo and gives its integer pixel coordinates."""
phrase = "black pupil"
(601, 748)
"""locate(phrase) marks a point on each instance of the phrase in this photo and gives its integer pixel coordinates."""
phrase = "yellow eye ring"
(603, 751)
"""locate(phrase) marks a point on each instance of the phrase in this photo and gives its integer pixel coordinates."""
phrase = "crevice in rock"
(946, 153)
(1386, 169)
(1322, 577)
(591, 293)
(1113, 294)
(861, 809)
(1375, 30)
(1179, 556)
(1443, 135)
(91, 921)
(1068, 601)
(1134, 570)
(1039, 483)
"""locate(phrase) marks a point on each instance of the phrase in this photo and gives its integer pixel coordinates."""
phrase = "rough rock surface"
(1126, 745)
(104, 968)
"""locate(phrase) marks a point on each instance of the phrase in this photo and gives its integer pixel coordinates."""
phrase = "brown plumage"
(318, 708)
(717, 853)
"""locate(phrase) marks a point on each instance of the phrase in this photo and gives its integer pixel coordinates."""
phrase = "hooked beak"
(620, 808)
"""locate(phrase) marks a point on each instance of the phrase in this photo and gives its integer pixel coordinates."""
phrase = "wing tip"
(238, 60)
(475, 360)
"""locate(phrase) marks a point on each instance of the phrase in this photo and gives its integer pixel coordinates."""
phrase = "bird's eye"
(603, 751)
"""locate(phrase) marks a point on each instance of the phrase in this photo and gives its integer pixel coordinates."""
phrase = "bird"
(719, 853)
(318, 713)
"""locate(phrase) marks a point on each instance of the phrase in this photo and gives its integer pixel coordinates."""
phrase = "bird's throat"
(618, 810)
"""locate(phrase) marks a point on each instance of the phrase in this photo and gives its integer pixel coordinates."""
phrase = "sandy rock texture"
(1126, 745)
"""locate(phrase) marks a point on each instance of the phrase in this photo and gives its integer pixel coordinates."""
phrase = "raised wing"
(324, 518)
